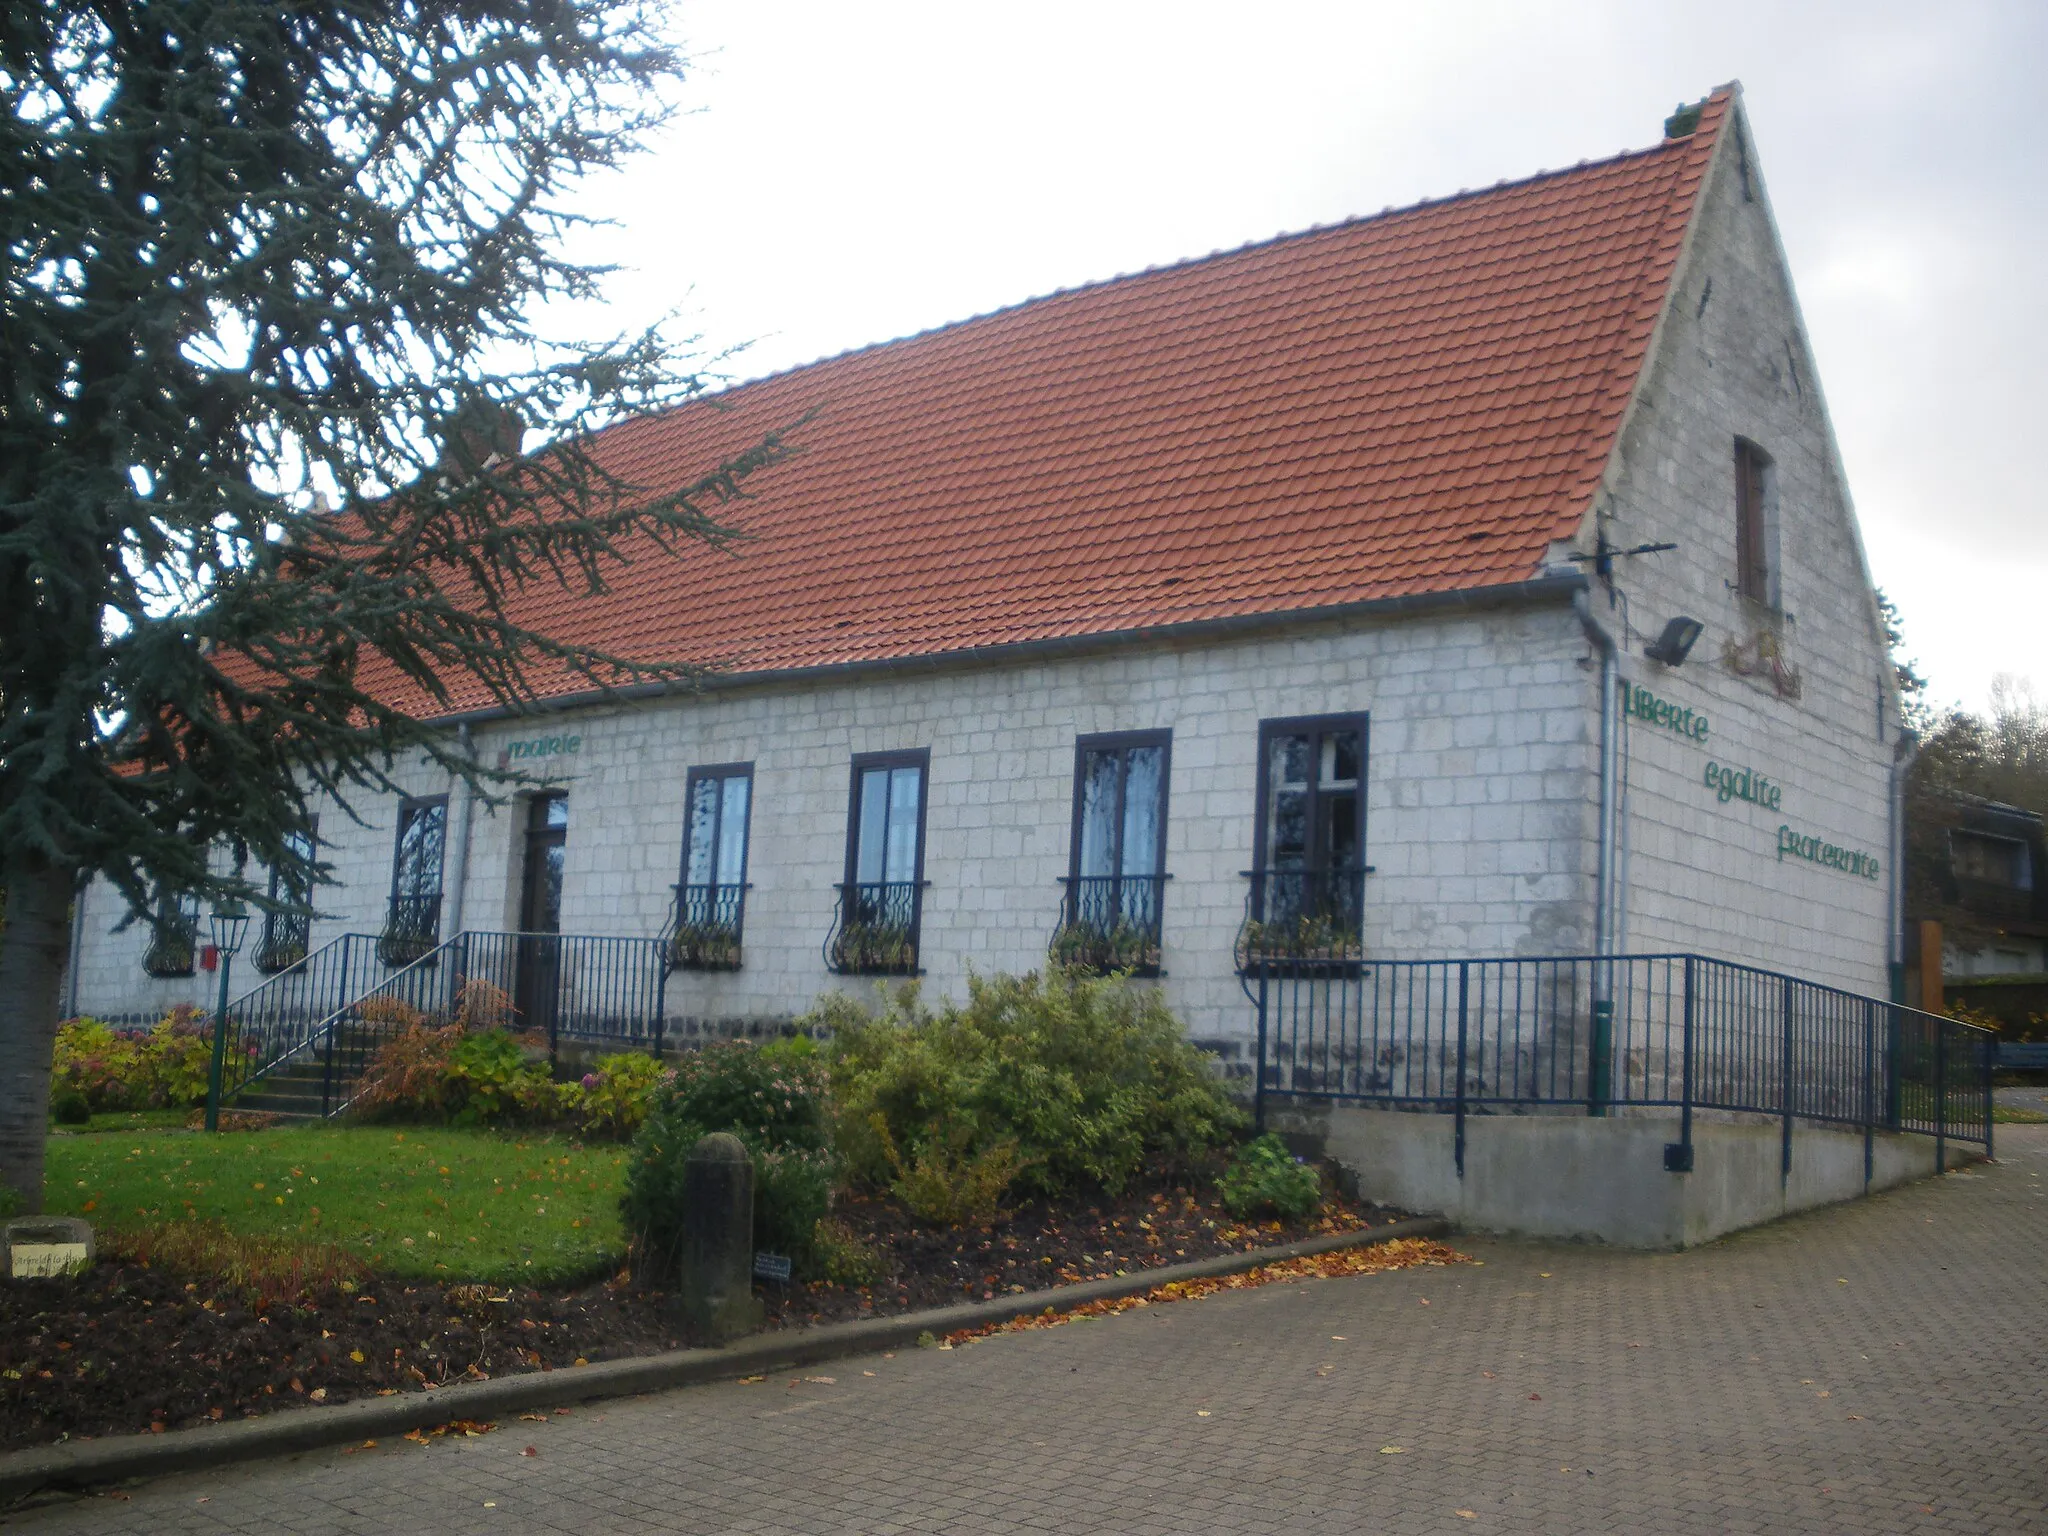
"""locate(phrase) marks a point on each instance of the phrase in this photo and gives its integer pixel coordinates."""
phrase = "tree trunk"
(33, 949)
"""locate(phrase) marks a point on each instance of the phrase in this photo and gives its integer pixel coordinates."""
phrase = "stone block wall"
(1700, 871)
(1479, 807)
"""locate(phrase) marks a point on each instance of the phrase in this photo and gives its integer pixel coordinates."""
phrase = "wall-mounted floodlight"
(1675, 644)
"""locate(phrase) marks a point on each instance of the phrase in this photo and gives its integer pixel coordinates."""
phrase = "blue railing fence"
(1665, 1033)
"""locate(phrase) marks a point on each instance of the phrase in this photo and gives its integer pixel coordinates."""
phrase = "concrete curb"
(81, 1464)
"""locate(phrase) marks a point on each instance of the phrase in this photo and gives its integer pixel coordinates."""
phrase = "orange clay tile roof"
(1417, 402)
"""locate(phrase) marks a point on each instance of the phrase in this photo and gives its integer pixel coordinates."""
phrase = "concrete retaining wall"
(1576, 1177)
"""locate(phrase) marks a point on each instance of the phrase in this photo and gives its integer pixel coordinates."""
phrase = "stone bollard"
(44, 1247)
(715, 1291)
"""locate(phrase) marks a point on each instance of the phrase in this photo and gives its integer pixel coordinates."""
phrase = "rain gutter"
(1560, 587)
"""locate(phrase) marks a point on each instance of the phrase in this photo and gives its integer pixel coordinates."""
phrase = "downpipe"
(466, 817)
(1904, 755)
(1602, 1062)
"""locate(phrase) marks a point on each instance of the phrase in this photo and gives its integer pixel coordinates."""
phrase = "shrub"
(492, 1081)
(484, 1005)
(178, 1060)
(98, 1063)
(773, 1098)
(408, 1075)
(1087, 1080)
(70, 1107)
(1266, 1179)
(440, 1072)
(792, 1193)
(769, 1095)
(945, 1184)
(163, 1067)
(843, 1256)
(614, 1098)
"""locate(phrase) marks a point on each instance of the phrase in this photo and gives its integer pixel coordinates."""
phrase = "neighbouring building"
(1974, 872)
(1257, 605)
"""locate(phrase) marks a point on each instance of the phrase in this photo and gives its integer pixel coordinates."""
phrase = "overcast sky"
(852, 173)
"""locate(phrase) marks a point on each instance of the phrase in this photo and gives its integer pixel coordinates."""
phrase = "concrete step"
(294, 1090)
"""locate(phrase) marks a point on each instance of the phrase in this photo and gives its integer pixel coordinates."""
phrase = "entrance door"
(537, 991)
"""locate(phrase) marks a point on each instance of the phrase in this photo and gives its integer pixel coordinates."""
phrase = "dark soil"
(1041, 1244)
(130, 1348)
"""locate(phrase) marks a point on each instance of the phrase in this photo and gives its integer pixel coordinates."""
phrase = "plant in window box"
(173, 950)
(1092, 947)
(704, 947)
(280, 953)
(1308, 936)
(884, 947)
(397, 949)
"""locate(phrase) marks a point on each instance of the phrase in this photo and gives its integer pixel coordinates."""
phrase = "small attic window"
(1755, 523)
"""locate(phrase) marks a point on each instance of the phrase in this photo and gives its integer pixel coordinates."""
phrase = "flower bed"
(97, 1069)
(1050, 1129)
(140, 1342)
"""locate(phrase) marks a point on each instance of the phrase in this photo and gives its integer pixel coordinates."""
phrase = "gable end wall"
(1701, 872)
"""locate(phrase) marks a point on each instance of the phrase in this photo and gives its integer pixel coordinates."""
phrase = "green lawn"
(417, 1203)
(2012, 1114)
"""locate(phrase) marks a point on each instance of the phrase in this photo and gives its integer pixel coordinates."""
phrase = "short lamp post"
(230, 923)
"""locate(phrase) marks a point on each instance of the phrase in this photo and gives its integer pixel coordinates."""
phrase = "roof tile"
(1316, 420)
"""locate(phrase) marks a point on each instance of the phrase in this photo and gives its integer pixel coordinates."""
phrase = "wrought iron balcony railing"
(1302, 919)
(706, 927)
(876, 929)
(1110, 923)
(412, 929)
(173, 939)
(286, 942)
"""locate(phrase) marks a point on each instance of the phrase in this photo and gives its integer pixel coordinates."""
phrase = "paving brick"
(1851, 1369)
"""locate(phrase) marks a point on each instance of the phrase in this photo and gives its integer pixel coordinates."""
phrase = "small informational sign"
(771, 1266)
(50, 1261)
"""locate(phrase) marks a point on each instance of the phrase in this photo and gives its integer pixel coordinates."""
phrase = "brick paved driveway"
(1873, 1368)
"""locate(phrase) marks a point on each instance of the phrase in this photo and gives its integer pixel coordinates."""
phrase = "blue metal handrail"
(1633, 1032)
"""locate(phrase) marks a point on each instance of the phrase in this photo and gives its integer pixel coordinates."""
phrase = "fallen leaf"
(752, 1381)
(1201, 1413)
(1855, 1418)
(1392, 1450)
(530, 1451)
(867, 1373)
(537, 1418)
(1423, 1299)
(356, 1355)
(823, 1381)
(1823, 1394)
(1466, 1514)
(1488, 1375)
(1535, 1397)
(319, 1394)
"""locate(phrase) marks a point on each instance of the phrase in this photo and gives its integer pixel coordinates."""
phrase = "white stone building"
(1300, 560)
